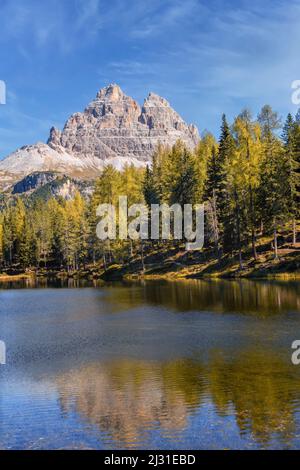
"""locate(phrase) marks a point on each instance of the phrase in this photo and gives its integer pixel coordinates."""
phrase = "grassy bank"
(15, 277)
(173, 262)
(176, 264)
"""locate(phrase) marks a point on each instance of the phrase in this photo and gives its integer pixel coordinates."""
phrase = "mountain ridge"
(112, 129)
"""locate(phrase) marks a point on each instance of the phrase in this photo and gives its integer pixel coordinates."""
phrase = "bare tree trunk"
(142, 256)
(294, 232)
(109, 254)
(261, 227)
(131, 248)
(240, 258)
(253, 237)
(275, 244)
(253, 240)
(238, 223)
(216, 225)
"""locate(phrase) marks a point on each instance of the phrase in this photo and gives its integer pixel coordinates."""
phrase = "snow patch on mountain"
(113, 129)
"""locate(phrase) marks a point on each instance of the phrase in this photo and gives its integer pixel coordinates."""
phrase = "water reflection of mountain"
(129, 398)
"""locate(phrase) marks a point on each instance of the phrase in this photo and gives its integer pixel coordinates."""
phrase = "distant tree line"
(249, 181)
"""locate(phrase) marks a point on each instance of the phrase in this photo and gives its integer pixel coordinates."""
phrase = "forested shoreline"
(249, 181)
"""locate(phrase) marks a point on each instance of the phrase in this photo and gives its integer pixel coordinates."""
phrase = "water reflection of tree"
(261, 389)
(242, 296)
(126, 399)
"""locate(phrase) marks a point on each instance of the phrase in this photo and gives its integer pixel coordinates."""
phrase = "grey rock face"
(114, 125)
(48, 184)
(113, 129)
(54, 140)
(34, 181)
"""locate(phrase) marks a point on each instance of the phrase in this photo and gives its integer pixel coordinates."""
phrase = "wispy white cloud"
(211, 58)
(51, 23)
(174, 13)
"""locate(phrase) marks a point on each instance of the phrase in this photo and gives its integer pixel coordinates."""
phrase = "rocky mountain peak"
(155, 100)
(114, 126)
(54, 140)
(111, 103)
(113, 129)
(112, 93)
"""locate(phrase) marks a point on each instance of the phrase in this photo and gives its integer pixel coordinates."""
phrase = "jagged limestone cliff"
(113, 129)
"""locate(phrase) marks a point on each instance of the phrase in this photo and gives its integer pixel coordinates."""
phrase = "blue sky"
(205, 57)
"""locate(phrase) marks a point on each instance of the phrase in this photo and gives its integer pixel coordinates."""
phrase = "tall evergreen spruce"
(210, 195)
(226, 217)
(290, 137)
(274, 189)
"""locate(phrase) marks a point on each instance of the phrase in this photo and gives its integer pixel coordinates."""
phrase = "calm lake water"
(155, 365)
